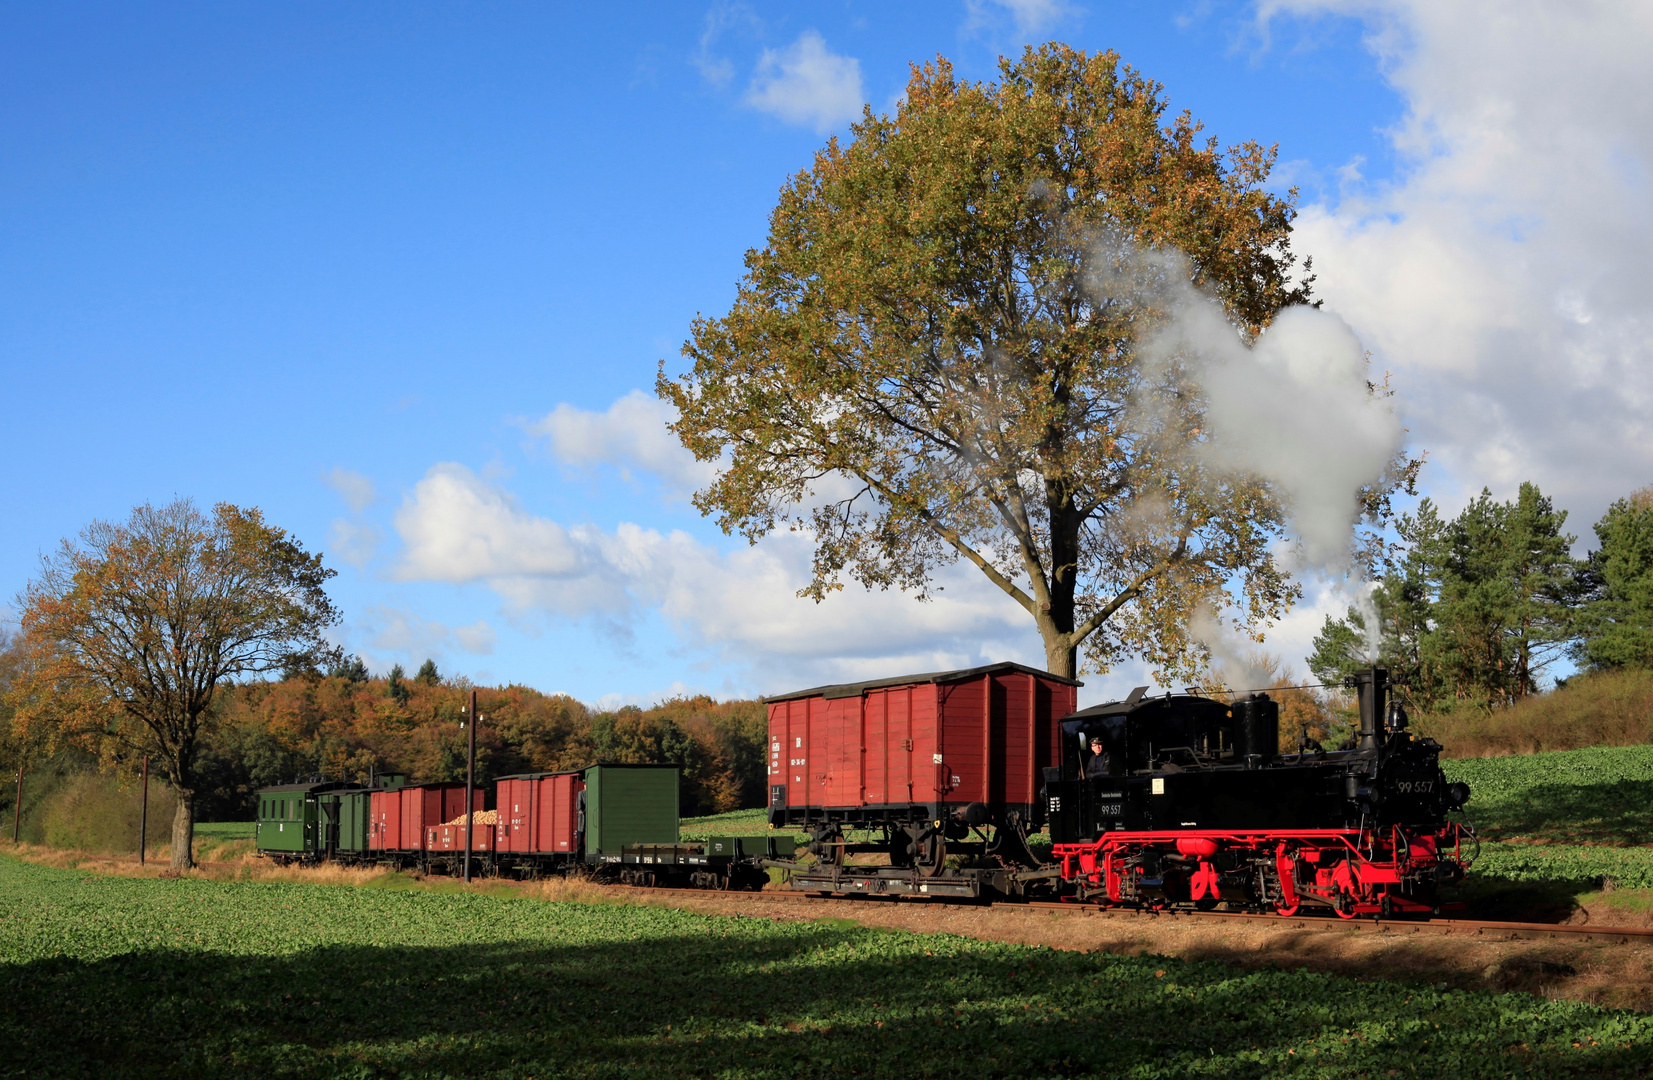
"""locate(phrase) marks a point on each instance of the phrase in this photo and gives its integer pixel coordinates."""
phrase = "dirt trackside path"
(1600, 973)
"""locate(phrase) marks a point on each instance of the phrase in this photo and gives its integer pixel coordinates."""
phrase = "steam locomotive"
(1180, 800)
(1185, 800)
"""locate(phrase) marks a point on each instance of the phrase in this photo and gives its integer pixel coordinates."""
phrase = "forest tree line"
(347, 725)
(1473, 610)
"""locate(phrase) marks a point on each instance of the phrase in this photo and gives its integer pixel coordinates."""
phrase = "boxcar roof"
(843, 690)
(312, 786)
(539, 775)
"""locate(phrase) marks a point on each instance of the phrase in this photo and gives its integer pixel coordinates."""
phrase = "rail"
(1465, 928)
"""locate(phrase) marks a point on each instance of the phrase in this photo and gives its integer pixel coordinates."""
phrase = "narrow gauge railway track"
(1461, 928)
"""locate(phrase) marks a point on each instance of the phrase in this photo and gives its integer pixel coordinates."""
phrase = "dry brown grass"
(231, 861)
(235, 861)
(574, 891)
(1610, 708)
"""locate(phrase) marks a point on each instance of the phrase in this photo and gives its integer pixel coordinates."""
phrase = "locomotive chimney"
(1373, 687)
(1256, 729)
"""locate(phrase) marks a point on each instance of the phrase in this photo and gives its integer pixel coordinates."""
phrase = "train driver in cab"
(1098, 764)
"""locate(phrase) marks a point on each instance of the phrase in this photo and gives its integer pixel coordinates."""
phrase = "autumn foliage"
(132, 629)
(934, 356)
(273, 732)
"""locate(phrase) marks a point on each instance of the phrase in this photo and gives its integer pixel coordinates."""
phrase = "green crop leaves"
(1599, 795)
(120, 977)
(1572, 817)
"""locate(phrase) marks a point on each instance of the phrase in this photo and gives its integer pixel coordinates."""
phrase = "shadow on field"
(1516, 901)
(1602, 813)
(732, 1006)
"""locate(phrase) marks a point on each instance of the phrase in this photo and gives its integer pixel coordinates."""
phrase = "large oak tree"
(130, 631)
(937, 355)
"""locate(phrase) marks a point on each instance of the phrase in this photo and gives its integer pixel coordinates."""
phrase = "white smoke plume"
(1294, 408)
(1242, 668)
(1372, 629)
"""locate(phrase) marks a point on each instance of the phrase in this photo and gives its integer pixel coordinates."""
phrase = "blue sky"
(344, 262)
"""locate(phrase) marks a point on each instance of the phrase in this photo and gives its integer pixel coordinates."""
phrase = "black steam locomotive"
(1184, 800)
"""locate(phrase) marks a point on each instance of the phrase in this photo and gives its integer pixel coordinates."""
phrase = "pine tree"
(1616, 624)
(1404, 600)
(1474, 610)
(396, 685)
(428, 674)
(352, 670)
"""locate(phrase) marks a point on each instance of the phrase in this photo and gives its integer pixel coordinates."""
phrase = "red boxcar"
(452, 838)
(402, 816)
(970, 744)
(539, 813)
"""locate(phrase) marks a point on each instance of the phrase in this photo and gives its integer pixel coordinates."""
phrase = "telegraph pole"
(17, 807)
(143, 813)
(470, 787)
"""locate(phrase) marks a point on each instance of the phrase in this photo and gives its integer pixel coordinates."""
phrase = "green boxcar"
(629, 804)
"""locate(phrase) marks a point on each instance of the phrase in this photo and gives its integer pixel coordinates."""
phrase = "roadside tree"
(131, 630)
(935, 357)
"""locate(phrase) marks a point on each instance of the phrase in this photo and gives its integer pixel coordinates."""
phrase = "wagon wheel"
(931, 856)
(827, 845)
(898, 842)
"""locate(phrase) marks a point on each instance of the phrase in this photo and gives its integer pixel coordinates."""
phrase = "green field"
(1569, 818)
(106, 976)
(733, 823)
(225, 830)
(1599, 795)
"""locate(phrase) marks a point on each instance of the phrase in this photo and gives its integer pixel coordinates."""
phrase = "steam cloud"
(1293, 408)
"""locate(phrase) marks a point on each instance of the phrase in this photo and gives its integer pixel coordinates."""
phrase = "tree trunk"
(183, 832)
(1059, 659)
(1061, 652)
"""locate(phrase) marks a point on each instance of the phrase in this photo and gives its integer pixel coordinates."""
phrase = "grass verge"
(127, 977)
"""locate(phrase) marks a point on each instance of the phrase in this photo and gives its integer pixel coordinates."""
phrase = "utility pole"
(470, 786)
(17, 807)
(143, 813)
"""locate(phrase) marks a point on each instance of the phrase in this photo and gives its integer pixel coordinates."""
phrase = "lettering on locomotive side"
(1415, 787)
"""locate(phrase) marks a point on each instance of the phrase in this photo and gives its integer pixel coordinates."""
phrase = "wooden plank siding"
(983, 736)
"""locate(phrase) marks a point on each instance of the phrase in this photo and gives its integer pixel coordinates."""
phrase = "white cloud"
(459, 528)
(1504, 277)
(396, 635)
(806, 83)
(721, 18)
(355, 489)
(1031, 18)
(351, 539)
(356, 542)
(738, 607)
(632, 434)
(478, 639)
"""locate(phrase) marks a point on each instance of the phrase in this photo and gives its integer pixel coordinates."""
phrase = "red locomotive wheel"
(1286, 867)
